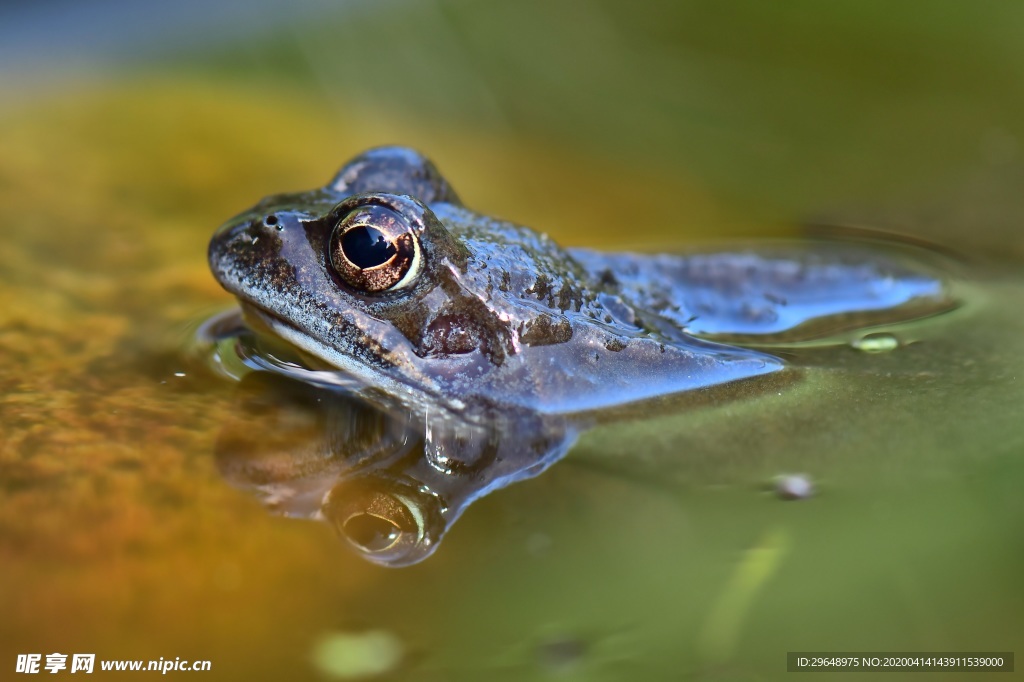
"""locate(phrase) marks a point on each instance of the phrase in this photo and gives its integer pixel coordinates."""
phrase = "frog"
(386, 276)
(479, 349)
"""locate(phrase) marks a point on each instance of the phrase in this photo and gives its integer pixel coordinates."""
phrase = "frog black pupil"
(367, 247)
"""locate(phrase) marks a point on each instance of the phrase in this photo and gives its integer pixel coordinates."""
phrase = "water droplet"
(794, 486)
(878, 342)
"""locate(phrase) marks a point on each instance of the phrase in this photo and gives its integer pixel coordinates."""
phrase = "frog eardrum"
(374, 246)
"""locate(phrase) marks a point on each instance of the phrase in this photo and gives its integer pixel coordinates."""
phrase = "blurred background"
(130, 130)
(759, 112)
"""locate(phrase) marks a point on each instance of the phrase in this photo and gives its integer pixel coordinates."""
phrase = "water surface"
(654, 550)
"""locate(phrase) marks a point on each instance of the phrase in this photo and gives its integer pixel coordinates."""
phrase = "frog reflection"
(389, 482)
(386, 284)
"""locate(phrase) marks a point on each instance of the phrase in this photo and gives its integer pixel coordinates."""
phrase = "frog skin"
(385, 275)
(477, 349)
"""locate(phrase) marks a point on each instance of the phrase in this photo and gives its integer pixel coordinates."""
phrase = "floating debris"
(352, 655)
(561, 653)
(793, 486)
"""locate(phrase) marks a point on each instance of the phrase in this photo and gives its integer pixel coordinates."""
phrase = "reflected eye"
(371, 533)
(386, 526)
(375, 249)
(390, 521)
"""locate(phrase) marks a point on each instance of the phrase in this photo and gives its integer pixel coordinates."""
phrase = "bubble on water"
(352, 655)
(878, 342)
(793, 486)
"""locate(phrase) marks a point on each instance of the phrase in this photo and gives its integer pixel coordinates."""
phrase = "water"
(656, 549)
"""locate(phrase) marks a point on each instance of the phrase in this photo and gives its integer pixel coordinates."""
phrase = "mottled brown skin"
(492, 341)
(498, 315)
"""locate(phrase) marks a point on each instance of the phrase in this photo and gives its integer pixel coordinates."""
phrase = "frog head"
(359, 273)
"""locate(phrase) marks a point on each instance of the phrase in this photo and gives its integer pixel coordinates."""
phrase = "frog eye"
(374, 249)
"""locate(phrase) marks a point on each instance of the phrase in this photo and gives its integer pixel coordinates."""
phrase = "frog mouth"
(263, 321)
(315, 354)
(328, 366)
(299, 359)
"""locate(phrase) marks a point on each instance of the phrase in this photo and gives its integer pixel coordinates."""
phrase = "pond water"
(656, 549)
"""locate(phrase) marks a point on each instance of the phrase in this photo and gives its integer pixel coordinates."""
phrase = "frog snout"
(249, 244)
